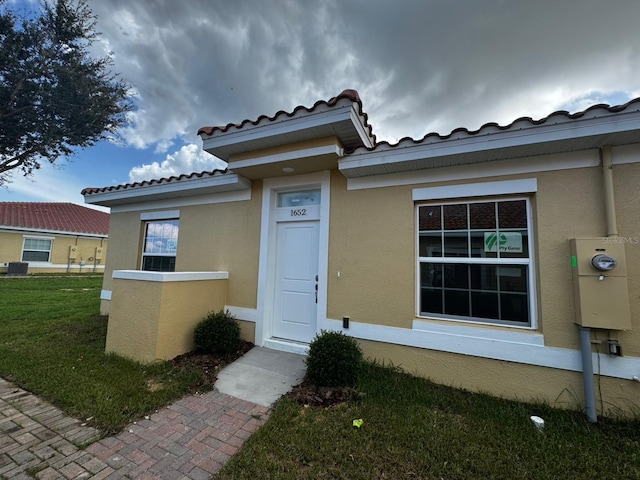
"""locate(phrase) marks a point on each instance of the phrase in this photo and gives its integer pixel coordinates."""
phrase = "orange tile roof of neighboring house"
(349, 93)
(92, 190)
(55, 217)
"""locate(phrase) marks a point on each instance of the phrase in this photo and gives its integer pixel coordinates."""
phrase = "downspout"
(609, 200)
(585, 332)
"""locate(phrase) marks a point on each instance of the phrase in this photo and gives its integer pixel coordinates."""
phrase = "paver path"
(190, 439)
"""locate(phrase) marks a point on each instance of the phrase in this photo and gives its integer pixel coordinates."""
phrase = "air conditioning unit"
(17, 269)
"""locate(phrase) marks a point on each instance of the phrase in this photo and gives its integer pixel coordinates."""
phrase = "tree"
(54, 95)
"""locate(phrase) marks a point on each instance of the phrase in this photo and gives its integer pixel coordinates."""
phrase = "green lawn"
(415, 429)
(52, 343)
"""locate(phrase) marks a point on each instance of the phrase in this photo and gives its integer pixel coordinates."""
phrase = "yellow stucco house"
(52, 237)
(504, 260)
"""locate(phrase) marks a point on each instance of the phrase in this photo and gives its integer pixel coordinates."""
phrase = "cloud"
(190, 158)
(419, 66)
(51, 183)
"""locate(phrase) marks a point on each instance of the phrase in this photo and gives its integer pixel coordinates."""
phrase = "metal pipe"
(609, 199)
(587, 374)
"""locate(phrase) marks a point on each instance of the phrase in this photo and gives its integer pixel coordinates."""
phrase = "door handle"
(316, 288)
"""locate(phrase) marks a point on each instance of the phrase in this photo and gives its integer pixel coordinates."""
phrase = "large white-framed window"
(160, 245)
(37, 249)
(475, 260)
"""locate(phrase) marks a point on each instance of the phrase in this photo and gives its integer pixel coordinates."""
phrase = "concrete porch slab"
(262, 375)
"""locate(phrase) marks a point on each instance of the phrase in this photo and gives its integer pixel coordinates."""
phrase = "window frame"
(529, 261)
(145, 228)
(33, 237)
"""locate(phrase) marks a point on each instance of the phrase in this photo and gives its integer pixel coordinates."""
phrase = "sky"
(419, 66)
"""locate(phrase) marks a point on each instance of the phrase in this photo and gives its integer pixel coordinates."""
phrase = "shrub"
(334, 360)
(218, 332)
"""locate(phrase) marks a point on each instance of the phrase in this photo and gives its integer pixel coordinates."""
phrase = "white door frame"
(266, 266)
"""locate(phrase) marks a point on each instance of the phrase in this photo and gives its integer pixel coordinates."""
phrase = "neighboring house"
(53, 237)
(450, 256)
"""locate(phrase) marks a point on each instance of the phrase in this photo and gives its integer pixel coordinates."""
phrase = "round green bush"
(334, 360)
(217, 333)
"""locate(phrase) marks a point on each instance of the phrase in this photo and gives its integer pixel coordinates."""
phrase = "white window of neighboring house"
(36, 249)
(160, 245)
(475, 261)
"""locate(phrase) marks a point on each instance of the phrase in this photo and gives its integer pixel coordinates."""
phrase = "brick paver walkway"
(190, 439)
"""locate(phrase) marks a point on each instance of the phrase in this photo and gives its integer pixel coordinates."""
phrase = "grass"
(52, 343)
(415, 429)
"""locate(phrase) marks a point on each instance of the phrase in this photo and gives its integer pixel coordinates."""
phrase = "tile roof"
(55, 217)
(349, 94)
(92, 190)
(559, 116)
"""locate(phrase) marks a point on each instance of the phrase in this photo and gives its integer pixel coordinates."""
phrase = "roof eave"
(228, 182)
(574, 135)
(342, 121)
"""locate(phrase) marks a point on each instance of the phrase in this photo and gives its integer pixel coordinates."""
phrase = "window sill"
(500, 333)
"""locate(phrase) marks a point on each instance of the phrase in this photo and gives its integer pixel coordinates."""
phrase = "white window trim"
(164, 215)
(146, 218)
(476, 192)
(36, 237)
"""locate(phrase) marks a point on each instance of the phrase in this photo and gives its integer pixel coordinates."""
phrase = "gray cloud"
(420, 66)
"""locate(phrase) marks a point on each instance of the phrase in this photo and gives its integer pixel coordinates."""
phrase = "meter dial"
(604, 263)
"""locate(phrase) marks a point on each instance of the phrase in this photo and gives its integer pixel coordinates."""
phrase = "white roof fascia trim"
(287, 126)
(536, 134)
(223, 197)
(507, 187)
(174, 186)
(525, 165)
(293, 155)
(146, 276)
(38, 231)
(362, 131)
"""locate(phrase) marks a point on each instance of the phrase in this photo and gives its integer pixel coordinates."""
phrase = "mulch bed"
(209, 364)
(311, 395)
(304, 394)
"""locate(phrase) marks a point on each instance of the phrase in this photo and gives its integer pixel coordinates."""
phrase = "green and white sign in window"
(474, 261)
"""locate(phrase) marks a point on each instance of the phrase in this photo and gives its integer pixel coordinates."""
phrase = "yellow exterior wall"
(212, 237)
(224, 237)
(155, 320)
(372, 245)
(11, 243)
(515, 381)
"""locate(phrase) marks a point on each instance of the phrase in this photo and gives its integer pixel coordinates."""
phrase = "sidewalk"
(188, 440)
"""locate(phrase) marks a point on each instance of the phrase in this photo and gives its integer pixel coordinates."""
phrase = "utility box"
(98, 255)
(600, 283)
(17, 269)
(73, 251)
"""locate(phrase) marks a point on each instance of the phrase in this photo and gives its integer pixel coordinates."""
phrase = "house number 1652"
(298, 212)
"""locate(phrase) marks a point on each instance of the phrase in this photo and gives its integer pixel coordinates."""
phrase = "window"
(36, 249)
(160, 245)
(475, 261)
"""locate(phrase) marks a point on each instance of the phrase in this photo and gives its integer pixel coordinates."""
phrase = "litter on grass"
(358, 422)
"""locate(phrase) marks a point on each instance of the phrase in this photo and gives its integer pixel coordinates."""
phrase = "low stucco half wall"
(153, 314)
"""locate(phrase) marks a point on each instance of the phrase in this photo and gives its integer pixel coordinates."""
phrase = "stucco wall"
(152, 320)
(224, 237)
(11, 251)
(372, 245)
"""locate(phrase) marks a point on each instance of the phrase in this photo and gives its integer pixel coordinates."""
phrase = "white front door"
(296, 280)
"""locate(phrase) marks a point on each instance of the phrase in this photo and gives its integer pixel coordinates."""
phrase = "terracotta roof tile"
(59, 217)
(487, 128)
(349, 94)
(92, 190)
